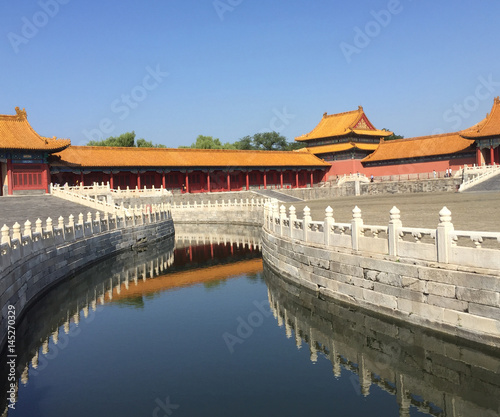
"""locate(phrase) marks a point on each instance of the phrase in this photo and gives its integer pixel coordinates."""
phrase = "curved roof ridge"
(17, 133)
(489, 126)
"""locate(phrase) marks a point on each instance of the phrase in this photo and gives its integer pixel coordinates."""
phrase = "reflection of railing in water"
(49, 326)
(438, 376)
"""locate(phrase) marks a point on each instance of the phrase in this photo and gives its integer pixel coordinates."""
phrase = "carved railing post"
(443, 235)
(16, 231)
(27, 229)
(356, 227)
(395, 225)
(38, 226)
(329, 220)
(307, 220)
(60, 225)
(5, 234)
(49, 226)
(292, 218)
(282, 218)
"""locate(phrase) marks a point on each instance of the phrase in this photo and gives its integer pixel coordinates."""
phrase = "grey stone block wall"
(458, 301)
(244, 216)
(22, 282)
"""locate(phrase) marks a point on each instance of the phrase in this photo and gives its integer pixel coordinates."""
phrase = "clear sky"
(174, 69)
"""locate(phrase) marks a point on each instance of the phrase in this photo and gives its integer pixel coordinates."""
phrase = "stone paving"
(21, 208)
(469, 211)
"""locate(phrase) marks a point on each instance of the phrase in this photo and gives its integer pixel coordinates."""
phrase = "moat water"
(199, 327)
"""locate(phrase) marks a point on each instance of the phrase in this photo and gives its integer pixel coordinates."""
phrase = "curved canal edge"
(50, 256)
(416, 292)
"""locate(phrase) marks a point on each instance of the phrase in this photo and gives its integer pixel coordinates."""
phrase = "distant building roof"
(342, 124)
(101, 156)
(489, 126)
(17, 133)
(419, 147)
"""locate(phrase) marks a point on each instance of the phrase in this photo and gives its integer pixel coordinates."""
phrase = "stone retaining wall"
(446, 298)
(21, 282)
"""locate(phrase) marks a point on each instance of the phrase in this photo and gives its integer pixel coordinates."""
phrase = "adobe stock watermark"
(223, 7)
(486, 88)
(246, 327)
(373, 28)
(121, 107)
(279, 121)
(164, 408)
(31, 27)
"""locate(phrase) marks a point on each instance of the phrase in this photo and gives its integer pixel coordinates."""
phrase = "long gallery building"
(340, 144)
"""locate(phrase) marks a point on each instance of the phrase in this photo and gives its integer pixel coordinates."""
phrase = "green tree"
(270, 141)
(125, 140)
(245, 143)
(393, 136)
(208, 142)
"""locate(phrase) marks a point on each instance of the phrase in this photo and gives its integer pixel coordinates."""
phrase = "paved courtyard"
(469, 211)
(21, 208)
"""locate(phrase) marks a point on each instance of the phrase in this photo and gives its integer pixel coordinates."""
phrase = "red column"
(478, 156)
(265, 180)
(9, 176)
(208, 183)
(187, 182)
(312, 179)
(492, 155)
(46, 180)
(247, 181)
(163, 182)
(228, 182)
(111, 182)
(296, 179)
(281, 179)
(138, 180)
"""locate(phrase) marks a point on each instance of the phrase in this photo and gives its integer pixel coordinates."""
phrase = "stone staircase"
(284, 198)
(491, 184)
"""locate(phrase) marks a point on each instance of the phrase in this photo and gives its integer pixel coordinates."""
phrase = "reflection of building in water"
(438, 376)
(48, 326)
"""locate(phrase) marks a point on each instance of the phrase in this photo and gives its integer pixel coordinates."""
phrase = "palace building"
(340, 144)
(339, 140)
(190, 170)
(24, 155)
(344, 140)
(30, 162)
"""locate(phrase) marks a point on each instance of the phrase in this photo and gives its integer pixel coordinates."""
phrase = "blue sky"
(171, 69)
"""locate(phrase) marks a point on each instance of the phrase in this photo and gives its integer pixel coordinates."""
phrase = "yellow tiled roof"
(341, 124)
(17, 133)
(418, 147)
(188, 278)
(489, 126)
(339, 147)
(101, 156)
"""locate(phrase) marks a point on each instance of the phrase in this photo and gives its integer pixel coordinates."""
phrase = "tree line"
(267, 141)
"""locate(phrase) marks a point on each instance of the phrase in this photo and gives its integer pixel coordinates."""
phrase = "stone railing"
(17, 244)
(444, 279)
(221, 204)
(31, 260)
(89, 196)
(476, 175)
(352, 177)
(443, 244)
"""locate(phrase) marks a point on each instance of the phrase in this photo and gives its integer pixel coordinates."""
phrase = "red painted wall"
(354, 166)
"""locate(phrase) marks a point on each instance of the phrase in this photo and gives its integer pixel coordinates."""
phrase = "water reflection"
(439, 376)
(126, 279)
